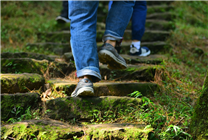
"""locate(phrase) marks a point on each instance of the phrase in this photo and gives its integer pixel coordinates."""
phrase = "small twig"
(180, 121)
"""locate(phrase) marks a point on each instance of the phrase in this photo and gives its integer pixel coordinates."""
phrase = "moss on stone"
(199, 121)
(86, 108)
(13, 83)
(24, 130)
(11, 102)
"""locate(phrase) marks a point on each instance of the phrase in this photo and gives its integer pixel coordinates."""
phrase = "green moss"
(90, 108)
(43, 132)
(10, 103)
(199, 121)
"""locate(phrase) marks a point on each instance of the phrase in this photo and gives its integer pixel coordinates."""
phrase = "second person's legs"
(116, 23)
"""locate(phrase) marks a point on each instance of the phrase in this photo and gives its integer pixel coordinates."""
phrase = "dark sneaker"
(61, 19)
(84, 88)
(143, 51)
(108, 55)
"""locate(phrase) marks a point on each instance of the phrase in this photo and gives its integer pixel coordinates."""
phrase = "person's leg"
(83, 16)
(64, 18)
(138, 29)
(116, 22)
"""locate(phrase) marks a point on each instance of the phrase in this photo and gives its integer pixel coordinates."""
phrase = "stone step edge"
(66, 131)
(107, 88)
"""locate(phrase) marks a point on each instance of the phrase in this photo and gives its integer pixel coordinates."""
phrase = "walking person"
(137, 28)
(83, 16)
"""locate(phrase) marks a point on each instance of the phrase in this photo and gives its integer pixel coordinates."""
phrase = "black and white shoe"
(84, 88)
(143, 51)
(108, 55)
(61, 19)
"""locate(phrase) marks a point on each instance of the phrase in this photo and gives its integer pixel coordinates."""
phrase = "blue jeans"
(83, 16)
(138, 19)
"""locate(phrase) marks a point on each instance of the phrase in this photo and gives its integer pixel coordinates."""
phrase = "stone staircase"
(45, 83)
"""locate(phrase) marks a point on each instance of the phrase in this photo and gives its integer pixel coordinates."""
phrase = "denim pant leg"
(64, 11)
(83, 16)
(117, 19)
(139, 19)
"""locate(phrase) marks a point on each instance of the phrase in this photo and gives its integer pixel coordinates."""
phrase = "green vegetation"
(180, 77)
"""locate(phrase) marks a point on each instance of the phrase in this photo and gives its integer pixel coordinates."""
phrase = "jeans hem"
(90, 72)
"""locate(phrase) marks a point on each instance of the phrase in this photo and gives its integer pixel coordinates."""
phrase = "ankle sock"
(136, 44)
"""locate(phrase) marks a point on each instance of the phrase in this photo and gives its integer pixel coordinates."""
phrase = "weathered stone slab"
(21, 65)
(162, 16)
(150, 24)
(63, 36)
(13, 83)
(152, 59)
(56, 48)
(53, 129)
(84, 108)
(167, 2)
(199, 121)
(29, 55)
(18, 102)
(132, 72)
(158, 8)
(155, 47)
(159, 25)
(43, 67)
(149, 35)
(107, 88)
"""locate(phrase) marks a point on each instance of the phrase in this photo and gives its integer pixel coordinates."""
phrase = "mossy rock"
(52, 129)
(162, 16)
(159, 2)
(29, 55)
(199, 121)
(49, 47)
(86, 107)
(155, 47)
(11, 103)
(152, 59)
(21, 65)
(132, 72)
(13, 83)
(41, 129)
(43, 67)
(105, 88)
(149, 25)
(117, 131)
(158, 8)
(64, 36)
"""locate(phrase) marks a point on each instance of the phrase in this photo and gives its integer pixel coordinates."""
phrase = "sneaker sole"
(85, 91)
(106, 57)
(145, 54)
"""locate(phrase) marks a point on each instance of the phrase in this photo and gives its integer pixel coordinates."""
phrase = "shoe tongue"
(86, 80)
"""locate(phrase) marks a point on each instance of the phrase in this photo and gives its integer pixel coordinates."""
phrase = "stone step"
(151, 59)
(150, 24)
(64, 36)
(132, 72)
(13, 83)
(68, 57)
(11, 103)
(44, 67)
(158, 8)
(155, 47)
(56, 48)
(36, 56)
(84, 108)
(162, 16)
(104, 88)
(53, 129)
(48, 69)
